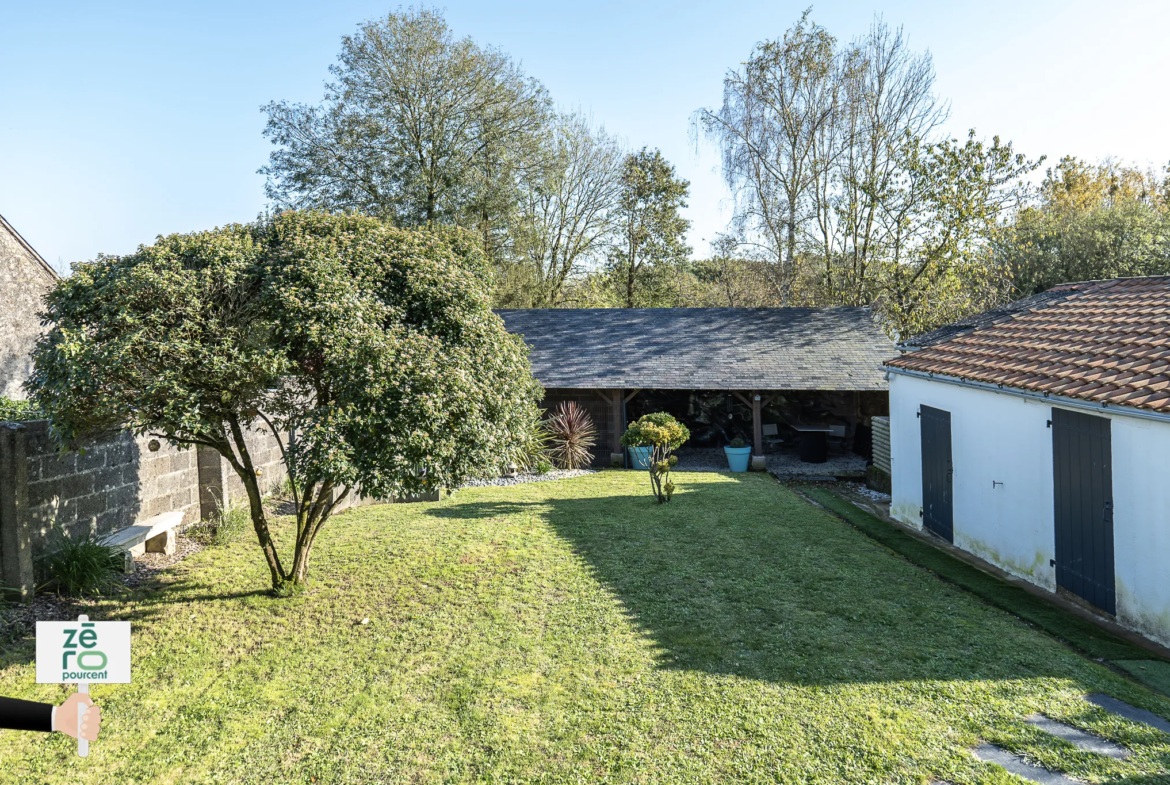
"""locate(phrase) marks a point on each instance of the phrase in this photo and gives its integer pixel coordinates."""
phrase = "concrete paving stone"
(1077, 737)
(1133, 713)
(1009, 761)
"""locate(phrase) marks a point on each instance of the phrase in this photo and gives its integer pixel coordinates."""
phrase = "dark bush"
(82, 566)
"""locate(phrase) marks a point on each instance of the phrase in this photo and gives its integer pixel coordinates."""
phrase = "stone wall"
(24, 281)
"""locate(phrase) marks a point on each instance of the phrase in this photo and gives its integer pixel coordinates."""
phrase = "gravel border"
(18, 621)
(149, 565)
(524, 477)
(862, 490)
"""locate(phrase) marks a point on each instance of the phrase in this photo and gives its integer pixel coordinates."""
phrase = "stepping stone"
(1077, 737)
(1133, 713)
(989, 753)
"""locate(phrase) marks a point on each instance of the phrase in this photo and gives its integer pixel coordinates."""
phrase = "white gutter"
(1073, 403)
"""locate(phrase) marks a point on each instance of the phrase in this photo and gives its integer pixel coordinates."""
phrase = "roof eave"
(1060, 400)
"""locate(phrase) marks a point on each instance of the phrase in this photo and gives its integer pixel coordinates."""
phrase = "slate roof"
(704, 348)
(1102, 341)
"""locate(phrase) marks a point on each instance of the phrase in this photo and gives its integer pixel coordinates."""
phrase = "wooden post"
(619, 424)
(757, 425)
(16, 562)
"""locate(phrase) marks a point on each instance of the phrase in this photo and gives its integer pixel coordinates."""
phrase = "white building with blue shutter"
(1037, 437)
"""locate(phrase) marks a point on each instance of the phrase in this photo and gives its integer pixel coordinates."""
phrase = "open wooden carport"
(602, 358)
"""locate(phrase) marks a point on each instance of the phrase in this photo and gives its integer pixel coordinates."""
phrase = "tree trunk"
(790, 264)
(318, 514)
(260, 524)
(300, 570)
(247, 472)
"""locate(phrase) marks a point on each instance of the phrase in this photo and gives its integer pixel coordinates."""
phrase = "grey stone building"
(25, 278)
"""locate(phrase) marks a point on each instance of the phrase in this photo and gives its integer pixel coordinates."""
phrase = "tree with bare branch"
(566, 213)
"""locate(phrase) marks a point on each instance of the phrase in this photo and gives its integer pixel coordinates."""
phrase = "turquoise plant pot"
(640, 458)
(738, 457)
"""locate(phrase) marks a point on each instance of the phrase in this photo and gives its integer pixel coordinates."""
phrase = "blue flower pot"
(738, 458)
(640, 458)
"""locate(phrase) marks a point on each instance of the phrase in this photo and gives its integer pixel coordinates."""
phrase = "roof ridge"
(28, 246)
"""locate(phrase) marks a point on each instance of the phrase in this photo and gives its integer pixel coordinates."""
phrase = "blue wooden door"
(938, 507)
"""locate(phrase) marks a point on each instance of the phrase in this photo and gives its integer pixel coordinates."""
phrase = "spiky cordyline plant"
(571, 436)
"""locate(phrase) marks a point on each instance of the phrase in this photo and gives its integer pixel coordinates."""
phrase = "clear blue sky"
(121, 121)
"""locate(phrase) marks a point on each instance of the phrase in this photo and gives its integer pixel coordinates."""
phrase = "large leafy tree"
(416, 126)
(369, 352)
(650, 232)
(565, 216)
(954, 199)
(1090, 221)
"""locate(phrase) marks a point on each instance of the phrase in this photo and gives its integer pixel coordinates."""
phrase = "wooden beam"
(737, 395)
(757, 425)
(632, 394)
(601, 394)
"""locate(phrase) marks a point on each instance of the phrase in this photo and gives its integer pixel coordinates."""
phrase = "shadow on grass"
(753, 581)
(138, 605)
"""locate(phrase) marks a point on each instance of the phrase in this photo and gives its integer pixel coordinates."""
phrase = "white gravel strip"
(523, 477)
(839, 464)
(868, 493)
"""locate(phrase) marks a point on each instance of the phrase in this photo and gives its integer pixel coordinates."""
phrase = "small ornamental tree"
(663, 435)
(370, 353)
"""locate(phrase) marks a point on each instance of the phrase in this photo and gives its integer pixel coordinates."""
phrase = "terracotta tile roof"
(1101, 341)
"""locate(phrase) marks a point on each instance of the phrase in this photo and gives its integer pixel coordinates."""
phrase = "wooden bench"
(153, 535)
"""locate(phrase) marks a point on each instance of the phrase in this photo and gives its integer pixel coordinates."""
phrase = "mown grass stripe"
(1077, 632)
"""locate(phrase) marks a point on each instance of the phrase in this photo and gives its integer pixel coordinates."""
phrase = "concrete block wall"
(218, 481)
(108, 485)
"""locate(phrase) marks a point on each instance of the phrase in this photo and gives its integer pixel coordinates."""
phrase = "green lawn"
(574, 631)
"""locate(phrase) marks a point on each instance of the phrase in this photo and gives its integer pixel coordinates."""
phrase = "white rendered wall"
(1141, 525)
(1004, 438)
